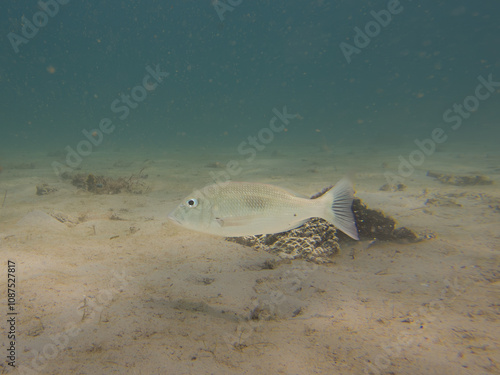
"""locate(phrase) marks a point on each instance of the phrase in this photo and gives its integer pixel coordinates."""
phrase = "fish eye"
(192, 202)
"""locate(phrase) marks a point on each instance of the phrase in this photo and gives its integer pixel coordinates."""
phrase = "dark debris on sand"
(108, 185)
(45, 189)
(464, 180)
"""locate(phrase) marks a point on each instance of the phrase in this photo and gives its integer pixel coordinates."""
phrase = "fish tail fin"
(338, 210)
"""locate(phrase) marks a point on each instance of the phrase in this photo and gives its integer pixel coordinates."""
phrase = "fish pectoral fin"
(233, 221)
(259, 223)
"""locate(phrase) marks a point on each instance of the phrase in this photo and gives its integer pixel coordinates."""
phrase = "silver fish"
(234, 209)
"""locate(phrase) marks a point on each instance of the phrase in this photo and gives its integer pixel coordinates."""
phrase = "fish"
(235, 209)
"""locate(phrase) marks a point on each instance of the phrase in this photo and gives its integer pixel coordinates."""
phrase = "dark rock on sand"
(451, 179)
(319, 241)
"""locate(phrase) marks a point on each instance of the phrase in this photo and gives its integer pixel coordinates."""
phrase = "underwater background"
(112, 112)
(227, 72)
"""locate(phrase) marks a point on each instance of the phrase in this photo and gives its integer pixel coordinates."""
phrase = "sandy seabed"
(113, 287)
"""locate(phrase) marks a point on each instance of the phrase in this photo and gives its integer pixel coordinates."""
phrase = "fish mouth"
(173, 218)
